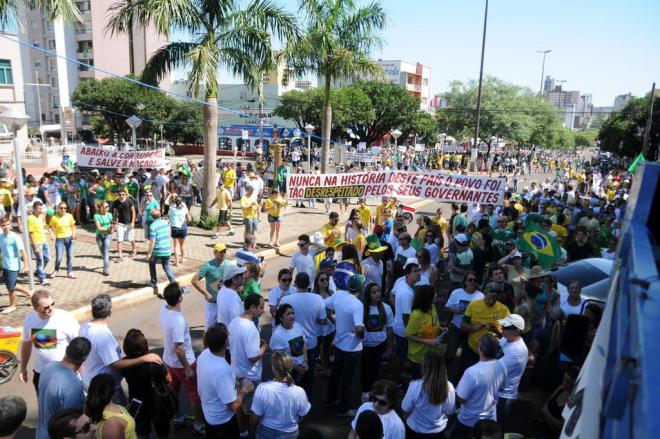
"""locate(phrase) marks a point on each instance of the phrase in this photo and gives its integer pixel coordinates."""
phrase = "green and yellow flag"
(540, 243)
(638, 161)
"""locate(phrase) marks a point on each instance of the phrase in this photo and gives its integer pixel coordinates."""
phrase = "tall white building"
(11, 89)
(568, 102)
(620, 101)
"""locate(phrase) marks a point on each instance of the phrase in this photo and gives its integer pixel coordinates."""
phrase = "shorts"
(10, 279)
(250, 224)
(179, 377)
(223, 217)
(274, 219)
(125, 233)
(179, 232)
(210, 314)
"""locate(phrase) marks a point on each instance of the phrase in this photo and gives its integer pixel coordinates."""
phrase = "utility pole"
(473, 155)
(544, 52)
(647, 130)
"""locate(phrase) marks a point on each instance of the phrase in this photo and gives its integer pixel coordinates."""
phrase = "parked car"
(593, 273)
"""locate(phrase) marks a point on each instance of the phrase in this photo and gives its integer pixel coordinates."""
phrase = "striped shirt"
(160, 232)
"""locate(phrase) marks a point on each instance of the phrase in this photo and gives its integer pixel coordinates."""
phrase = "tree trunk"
(326, 127)
(210, 153)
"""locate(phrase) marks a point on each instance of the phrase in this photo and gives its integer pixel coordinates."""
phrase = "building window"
(52, 64)
(56, 117)
(425, 81)
(51, 44)
(83, 6)
(34, 25)
(49, 25)
(53, 81)
(6, 77)
(56, 101)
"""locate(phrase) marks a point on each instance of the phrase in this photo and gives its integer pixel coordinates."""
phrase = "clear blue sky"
(602, 47)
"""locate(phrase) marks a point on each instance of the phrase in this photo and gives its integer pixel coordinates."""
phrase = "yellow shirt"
(560, 230)
(274, 206)
(250, 208)
(129, 429)
(420, 234)
(5, 196)
(365, 215)
(478, 312)
(442, 223)
(223, 199)
(229, 178)
(63, 225)
(330, 233)
(110, 190)
(360, 242)
(36, 227)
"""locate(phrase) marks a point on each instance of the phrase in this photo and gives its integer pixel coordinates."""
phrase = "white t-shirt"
(275, 295)
(229, 305)
(304, 263)
(375, 328)
(105, 351)
(280, 406)
(373, 271)
(570, 309)
(459, 298)
(244, 343)
(410, 252)
(175, 330)
(479, 387)
(403, 298)
(216, 384)
(426, 417)
(50, 336)
(515, 360)
(393, 427)
(349, 313)
(308, 307)
(292, 341)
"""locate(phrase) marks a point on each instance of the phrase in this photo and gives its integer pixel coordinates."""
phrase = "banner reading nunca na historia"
(435, 186)
(102, 158)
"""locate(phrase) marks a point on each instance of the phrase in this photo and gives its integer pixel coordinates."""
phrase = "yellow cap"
(219, 247)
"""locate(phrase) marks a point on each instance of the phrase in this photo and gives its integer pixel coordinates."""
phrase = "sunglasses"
(323, 279)
(150, 195)
(471, 280)
(286, 279)
(47, 307)
(87, 426)
(62, 208)
(379, 401)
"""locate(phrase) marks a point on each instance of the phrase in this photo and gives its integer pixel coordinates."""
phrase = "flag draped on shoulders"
(540, 243)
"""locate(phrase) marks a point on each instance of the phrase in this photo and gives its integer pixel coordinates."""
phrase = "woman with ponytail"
(112, 421)
(279, 405)
(430, 400)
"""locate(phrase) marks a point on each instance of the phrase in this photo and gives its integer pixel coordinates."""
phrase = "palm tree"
(336, 45)
(65, 9)
(220, 33)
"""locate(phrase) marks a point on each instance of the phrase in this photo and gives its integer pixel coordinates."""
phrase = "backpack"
(165, 403)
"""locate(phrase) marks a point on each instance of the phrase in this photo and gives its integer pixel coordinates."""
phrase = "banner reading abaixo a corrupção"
(435, 186)
(103, 158)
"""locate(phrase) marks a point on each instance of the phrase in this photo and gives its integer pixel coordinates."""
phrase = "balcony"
(84, 34)
(86, 74)
(89, 54)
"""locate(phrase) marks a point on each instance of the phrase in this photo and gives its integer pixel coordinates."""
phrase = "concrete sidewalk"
(128, 281)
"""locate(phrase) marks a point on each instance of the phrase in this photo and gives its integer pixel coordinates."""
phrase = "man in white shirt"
(478, 390)
(246, 346)
(514, 359)
(310, 312)
(178, 354)
(228, 301)
(220, 393)
(105, 356)
(48, 331)
(403, 297)
(349, 321)
(304, 261)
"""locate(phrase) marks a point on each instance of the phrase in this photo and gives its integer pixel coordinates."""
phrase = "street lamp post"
(134, 122)
(473, 155)
(544, 52)
(396, 134)
(310, 129)
(15, 121)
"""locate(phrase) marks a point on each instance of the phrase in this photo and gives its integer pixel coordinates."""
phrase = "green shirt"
(104, 221)
(211, 272)
(250, 286)
(133, 188)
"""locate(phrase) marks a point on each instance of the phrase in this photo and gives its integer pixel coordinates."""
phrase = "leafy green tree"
(186, 123)
(425, 126)
(221, 33)
(337, 43)
(54, 9)
(623, 132)
(585, 138)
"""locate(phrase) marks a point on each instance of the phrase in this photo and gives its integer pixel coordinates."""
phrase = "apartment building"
(11, 89)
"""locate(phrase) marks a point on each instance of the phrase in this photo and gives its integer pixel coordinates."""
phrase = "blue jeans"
(62, 244)
(104, 241)
(165, 263)
(42, 258)
(264, 432)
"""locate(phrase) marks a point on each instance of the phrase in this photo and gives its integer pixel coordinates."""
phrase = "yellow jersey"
(37, 229)
(223, 199)
(229, 178)
(274, 206)
(478, 312)
(6, 197)
(365, 215)
(63, 225)
(250, 207)
(330, 233)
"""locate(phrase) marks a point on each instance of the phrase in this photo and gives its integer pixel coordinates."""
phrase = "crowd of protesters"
(441, 325)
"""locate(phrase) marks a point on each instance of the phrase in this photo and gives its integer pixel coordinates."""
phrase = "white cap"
(232, 271)
(461, 238)
(411, 260)
(513, 320)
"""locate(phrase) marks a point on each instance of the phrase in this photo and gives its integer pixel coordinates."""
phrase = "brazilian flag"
(540, 243)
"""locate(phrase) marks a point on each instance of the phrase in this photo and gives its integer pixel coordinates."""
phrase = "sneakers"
(44, 282)
(183, 421)
(350, 413)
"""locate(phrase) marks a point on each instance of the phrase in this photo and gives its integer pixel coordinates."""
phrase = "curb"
(134, 297)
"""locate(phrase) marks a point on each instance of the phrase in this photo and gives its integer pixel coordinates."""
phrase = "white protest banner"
(102, 158)
(434, 186)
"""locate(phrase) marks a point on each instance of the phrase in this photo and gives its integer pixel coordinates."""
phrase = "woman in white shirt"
(279, 405)
(383, 400)
(288, 336)
(378, 336)
(430, 400)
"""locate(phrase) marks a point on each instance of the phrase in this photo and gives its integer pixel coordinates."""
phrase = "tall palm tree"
(220, 33)
(337, 43)
(65, 9)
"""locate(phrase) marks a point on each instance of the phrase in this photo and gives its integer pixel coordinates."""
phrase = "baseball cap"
(219, 247)
(461, 238)
(409, 261)
(517, 255)
(355, 282)
(327, 262)
(513, 320)
(232, 271)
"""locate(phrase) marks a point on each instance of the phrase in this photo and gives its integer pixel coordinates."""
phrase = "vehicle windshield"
(587, 274)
